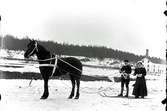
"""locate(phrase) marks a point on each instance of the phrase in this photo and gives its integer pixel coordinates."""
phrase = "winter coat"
(140, 88)
(125, 70)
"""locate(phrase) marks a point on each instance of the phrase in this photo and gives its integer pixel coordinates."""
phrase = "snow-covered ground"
(17, 95)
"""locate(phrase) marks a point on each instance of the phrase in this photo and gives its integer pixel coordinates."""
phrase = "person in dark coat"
(140, 88)
(125, 77)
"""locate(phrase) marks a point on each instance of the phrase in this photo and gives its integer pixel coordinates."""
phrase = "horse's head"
(32, 48)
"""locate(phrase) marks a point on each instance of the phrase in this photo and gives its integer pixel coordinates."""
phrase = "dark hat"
(126, 61)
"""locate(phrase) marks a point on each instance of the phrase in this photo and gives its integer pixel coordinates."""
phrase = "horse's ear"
(33, 40)
(30, 40)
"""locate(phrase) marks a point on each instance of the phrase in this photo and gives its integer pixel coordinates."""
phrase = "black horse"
(69, 65)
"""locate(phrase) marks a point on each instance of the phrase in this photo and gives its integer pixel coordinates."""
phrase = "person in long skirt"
(140, 88)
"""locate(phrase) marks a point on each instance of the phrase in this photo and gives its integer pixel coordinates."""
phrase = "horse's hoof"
(43, 97)
(69, 97)
(76, 98)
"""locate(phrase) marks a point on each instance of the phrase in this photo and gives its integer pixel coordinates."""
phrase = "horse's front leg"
(46, 91)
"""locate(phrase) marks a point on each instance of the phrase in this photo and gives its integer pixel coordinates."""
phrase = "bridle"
(35, 48)
(43, 65)
(51, 65)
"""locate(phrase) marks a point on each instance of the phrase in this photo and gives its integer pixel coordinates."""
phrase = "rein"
(49, 65)
(55, 58)
(55, 64)
(44, 65)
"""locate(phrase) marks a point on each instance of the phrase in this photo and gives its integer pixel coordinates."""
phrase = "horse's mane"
(43, 50)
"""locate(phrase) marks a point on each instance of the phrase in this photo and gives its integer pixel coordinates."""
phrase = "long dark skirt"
(140, 88)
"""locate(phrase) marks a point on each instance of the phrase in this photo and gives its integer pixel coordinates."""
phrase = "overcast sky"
(128, 25)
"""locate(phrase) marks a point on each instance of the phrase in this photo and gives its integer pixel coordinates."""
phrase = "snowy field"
(17, 95)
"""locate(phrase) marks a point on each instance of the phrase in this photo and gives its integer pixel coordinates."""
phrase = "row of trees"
(12, 43)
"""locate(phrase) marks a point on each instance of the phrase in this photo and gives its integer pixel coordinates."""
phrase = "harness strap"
(70, 65)
(45, 60)
(46, 65)
(54, 67)
(50, 57)
(35, 48)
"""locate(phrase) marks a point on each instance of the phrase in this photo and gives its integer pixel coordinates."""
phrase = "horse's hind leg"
(73, 87)
(78, 86)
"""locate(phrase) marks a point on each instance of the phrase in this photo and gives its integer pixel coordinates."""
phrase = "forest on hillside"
(12, 43)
